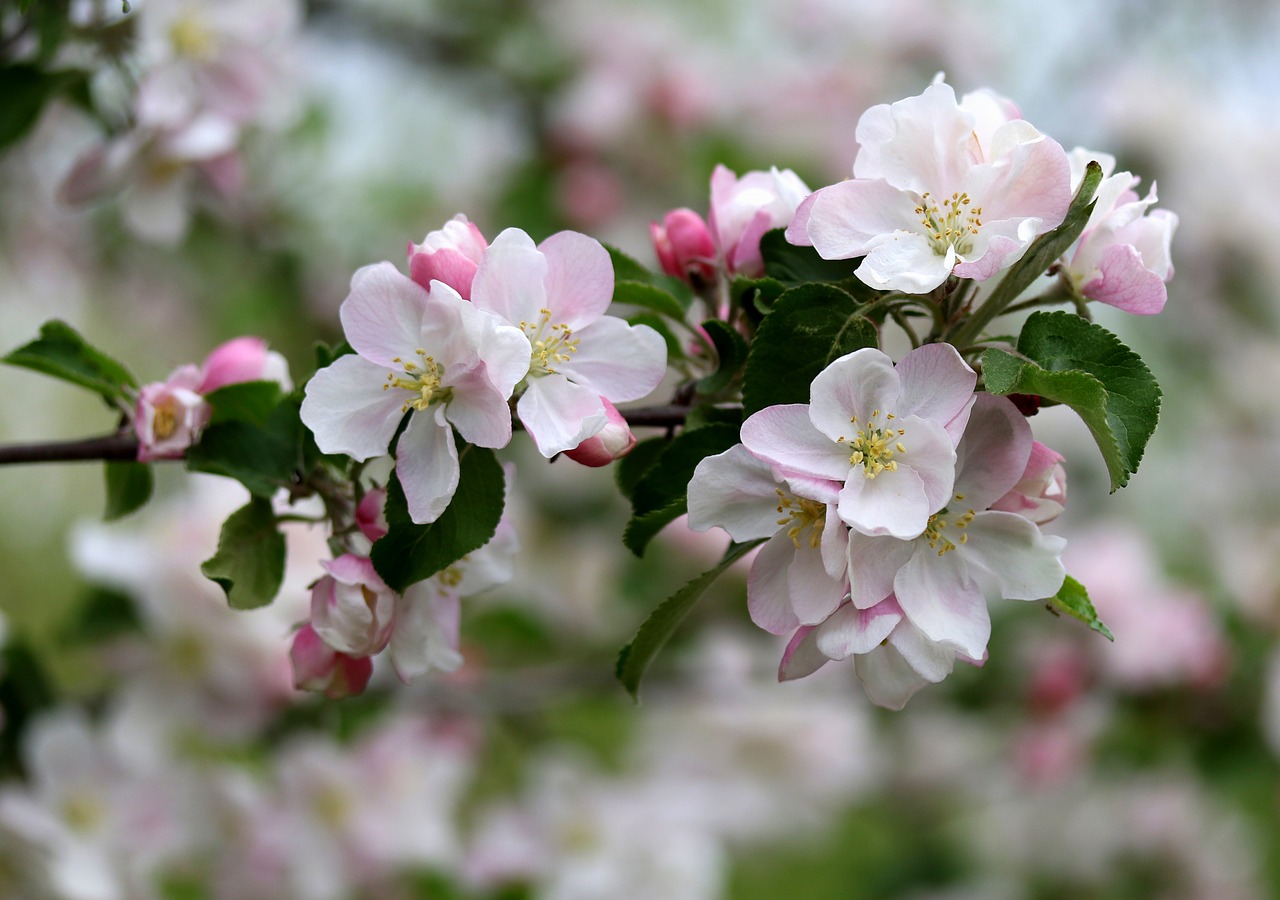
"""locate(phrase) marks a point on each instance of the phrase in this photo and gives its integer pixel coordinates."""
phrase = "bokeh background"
(152, 745)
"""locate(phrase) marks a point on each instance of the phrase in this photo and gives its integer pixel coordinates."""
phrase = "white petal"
(784, 436)
(887, 678)
(892, 503)
(993, 453)
(936, 383)
(853, 387)
(349, 411)
(579, 281)
(479, 410)
(737, 492)
(1025, 563)
(850, 630)
(768, 599)
(814, 594)
(382, 315)
(930, 453)
(941, 599)
(558, 414)
(426, 632)
(931, 660)
(620, 362)
(511, 279)
(905, 261)
(427, 465)
(802, 656)
(873, 564)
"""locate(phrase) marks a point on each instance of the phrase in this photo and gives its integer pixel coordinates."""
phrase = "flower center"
(553, 344)
(191, 37)
(875, 445)
(421, 378)
(952, 225)
(164, 421)
(802, 514)
(935, 530)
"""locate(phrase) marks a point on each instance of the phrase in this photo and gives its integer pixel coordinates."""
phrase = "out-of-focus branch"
(123, 446)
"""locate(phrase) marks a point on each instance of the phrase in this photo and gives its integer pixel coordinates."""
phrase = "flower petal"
(768, 598)
(427, 465)
(382, 315)
(784, 436)
(1025, 563)
(348, 410)
(814, 594)
(579, 281)
(735, 491)
(558, 414)
(617, 360)
(852, 388)
(426, 632)
(873, 564)
(939, 597)
(931, 660)
(892, 503)
(887, 677)
(992, 455)
(937, 383)
(511, 279)
(802, 656)
(850, 630)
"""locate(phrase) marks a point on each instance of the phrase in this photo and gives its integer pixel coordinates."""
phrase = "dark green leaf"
(1086, 367)
(245, 401)
(62, 353)
(668, 478)
(1042, 253)
(249, 564)
(625, 268)
(25, 89)
(129, 487)
(408, 553)
(647, 296)
(731, 351)
(1073, 599)
(631, 468)
(643, 528)
(800, 265)
(26, 690)
(264, 458)
(756, 295)
(810, 327)
(663, 621)
(326, 355)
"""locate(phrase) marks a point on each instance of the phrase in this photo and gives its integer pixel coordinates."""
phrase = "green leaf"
(327, 355)
(245, 401)
(810, 327)
(1043, 252)
(756, 295)
(800, 265)
(626, 268)
(668, 478)
(644, 527)
(632, 467)
(647, 296)
(408, 552)
(1073, 600)
(249, 564)
(129, 487)
(264, 458)
(62, 353)
(1072, 361)
(731, 350)
(663, 621)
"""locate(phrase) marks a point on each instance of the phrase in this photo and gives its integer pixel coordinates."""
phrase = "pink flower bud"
(170, 415)
(451, 254)
(243, 359)
(743, 209)
(684, 246)
(1041, 494)
(318, 667)
(614, 441)
(371, 514)
(352, 609)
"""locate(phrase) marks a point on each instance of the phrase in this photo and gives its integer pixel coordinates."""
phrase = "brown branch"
(124, 446)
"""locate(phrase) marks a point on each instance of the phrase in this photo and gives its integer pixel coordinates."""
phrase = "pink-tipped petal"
(802, 656)
(579, 279)
(618, 361)
(784, 436)
(1026, 563)
(768, 595)
(382, 316)
(939, 597)
(511, 279)
(850, 630)
(559, 414)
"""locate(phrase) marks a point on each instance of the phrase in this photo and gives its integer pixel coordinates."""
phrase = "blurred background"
(152, 745)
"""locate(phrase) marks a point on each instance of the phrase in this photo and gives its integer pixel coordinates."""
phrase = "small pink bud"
(452, 255)
(371, 514)
(170, 415)
(318, 667)
(1041, 494)
(243, 359)
(684, 246)
(614, 441)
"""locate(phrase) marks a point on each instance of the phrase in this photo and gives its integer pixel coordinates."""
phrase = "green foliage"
(647, 296)
(656, 630)
(1073, 600)
(409, 552)
(756, 295)
(1069, 360)
(632, 467)
(26, 89)
(263, 457)
(731, 353)
(245, 401)
(61, 352)
(249, 564)
(627, 270)
(794, 265)
(809, 327)
(129, 486)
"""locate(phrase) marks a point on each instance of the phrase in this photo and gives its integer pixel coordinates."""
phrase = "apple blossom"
(170, 415)
(451, 254)
(614, 441)
(556, 293)
(933, 575)
(371, 514)
(243, 359)
(684, 246)
(1122, 257)
(1041, 494)
(743, 209)
(351, 606)
(940, 187)
(886, 433)
(435, 354)
(318, 667)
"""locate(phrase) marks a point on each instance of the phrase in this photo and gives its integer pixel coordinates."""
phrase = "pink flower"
(371, 514)
(1122, 258)
(614, 441)
(684, 246)
(451, 254)
(556, 293)
(886, 434)
(939, 187)
(800, 575)
(436, 356)
(933, 576)
(1041, 494)
(170, 415)
(352, 607)
(243, 359)
(318, 667)
(743, 209)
